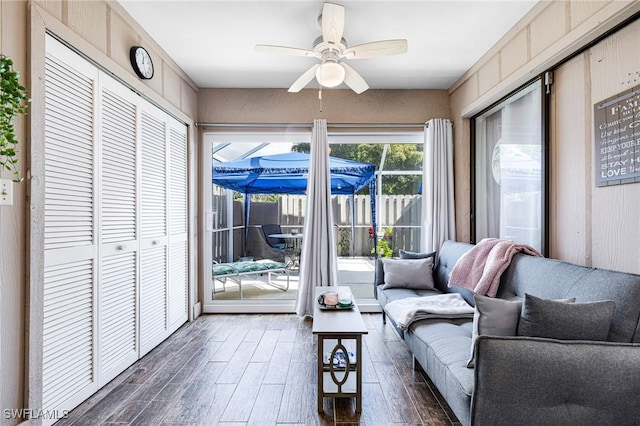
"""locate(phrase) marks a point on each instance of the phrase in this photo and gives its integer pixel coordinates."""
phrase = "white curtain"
(438, 217)
(319, 261)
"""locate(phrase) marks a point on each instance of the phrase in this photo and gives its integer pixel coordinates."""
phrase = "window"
(509, 181)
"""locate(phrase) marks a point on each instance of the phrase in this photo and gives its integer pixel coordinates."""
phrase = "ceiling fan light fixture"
(330, 74)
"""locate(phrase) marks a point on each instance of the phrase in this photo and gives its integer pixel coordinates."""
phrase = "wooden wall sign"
(617, 138)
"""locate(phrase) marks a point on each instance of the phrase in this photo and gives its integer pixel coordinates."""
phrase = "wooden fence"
(400, 212)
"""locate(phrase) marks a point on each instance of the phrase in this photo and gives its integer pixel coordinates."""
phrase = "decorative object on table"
(335, 300)
(345, 298)
(331, 49)
(141, 62)
(13, 101)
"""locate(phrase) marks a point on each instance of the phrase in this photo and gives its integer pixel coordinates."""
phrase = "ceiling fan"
(331, 48)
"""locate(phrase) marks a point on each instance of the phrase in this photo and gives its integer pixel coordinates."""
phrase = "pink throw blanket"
(480, 268)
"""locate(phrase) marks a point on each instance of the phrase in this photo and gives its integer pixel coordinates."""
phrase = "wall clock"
(141, 62)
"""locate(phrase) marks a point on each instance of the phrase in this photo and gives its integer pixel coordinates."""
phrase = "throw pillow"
(554, 320)
(414, 274)
(404, 254)
(496, 317)
(493, 317)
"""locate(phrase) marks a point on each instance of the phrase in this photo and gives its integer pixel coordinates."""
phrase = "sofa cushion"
(565, 321)
(441, 348)
(404, 254)
(408, 273)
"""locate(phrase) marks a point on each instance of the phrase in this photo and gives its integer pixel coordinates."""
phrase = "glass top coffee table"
(339, 334)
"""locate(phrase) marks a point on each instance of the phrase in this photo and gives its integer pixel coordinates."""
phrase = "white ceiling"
(213, 41)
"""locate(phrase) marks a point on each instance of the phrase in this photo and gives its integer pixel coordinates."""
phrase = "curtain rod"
(310, 125)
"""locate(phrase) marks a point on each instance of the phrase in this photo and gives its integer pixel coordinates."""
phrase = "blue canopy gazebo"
(287, 174)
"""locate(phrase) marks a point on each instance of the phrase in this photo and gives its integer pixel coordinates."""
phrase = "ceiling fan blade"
(304, 79)
(293, 51)
(332, 23)
(353, 79)
(376, 49)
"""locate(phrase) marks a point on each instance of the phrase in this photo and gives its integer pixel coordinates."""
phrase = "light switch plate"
(6, 192)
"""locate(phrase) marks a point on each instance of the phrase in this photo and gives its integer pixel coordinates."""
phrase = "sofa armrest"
(528, 380)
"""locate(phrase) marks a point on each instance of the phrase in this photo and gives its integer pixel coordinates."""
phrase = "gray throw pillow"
(496, 317)
(404, 254)
(414, 274)
(555, 320)
(493, 317)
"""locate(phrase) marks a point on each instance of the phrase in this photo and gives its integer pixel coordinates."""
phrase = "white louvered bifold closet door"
(153, 229)
(178, 260)
(115, 228)
(117, 316)
(70, 230)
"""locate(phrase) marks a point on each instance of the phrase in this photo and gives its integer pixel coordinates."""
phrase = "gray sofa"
(530, 380)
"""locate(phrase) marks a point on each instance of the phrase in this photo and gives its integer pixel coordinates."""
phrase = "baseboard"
(197, 310)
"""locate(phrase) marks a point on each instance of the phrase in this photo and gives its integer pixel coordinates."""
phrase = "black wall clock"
(141, 62)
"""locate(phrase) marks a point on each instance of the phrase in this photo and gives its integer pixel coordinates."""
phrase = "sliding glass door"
(398, 161)
(509, 160)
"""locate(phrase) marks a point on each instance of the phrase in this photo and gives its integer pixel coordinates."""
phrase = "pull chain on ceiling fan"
(332, 51)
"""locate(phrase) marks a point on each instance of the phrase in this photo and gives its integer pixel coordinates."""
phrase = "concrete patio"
(356, 272)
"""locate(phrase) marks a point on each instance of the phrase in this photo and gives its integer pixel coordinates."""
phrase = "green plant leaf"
(13, 101)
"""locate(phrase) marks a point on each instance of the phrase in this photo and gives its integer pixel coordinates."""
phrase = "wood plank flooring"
(261, 370)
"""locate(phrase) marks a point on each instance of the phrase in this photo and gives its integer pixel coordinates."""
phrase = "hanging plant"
(13, 101)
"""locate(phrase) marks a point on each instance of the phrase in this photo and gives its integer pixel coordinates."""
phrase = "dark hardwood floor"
(260, 370)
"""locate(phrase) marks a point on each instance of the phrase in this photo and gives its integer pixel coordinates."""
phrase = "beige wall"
(593, 225)
(339, 106)
(550, 33)
(104, 32)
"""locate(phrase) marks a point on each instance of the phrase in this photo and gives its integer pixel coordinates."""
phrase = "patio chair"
(259, 248)
(270, 229)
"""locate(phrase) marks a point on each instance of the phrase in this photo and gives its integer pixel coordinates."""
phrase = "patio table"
(292, 247)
